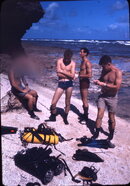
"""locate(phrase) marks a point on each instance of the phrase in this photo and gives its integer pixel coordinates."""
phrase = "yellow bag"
(35, 137)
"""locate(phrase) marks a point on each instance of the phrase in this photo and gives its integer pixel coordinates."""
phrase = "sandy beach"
(115, 170)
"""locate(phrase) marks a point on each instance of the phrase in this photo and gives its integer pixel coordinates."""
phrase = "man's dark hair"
(67, 56)
(68, 53)
(105, 60)
(85, 50)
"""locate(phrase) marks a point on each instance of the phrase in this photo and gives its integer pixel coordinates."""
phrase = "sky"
(84, 19)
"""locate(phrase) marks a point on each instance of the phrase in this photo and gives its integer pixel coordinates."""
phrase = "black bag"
(39, 163)
(90, 174)
(85, 155)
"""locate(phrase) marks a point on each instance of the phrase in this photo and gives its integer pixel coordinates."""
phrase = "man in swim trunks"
(20, 86)
(110, 82)
(84, 79)
(66, 73)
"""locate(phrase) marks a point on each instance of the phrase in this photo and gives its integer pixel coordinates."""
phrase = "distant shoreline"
(125, 42)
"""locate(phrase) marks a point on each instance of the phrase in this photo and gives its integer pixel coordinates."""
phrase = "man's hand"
(76, 75)
(26, 89)
(100, 83)
(96, 82)
(60, 71)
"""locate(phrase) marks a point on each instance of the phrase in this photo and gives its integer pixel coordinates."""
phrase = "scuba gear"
(88, 174)
(85, 155)
(111, 145)
(33, 137)
(65, 119)
(8, 130)
(96, 133)
(52, 117)
(53, 111)
(85, 112)
(37, 110)
(111, 130)
(39, 163)
(93, 143)
(43, 135)
(35, 117)
(32, 115)
(110, 137)
(84, 117)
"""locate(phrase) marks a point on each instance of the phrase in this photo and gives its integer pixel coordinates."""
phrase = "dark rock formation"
(10, 102)
(16, 17)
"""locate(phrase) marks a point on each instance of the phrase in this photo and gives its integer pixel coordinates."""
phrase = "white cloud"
(52, 6)
(51, 11)
(117, 27)
(113, 26)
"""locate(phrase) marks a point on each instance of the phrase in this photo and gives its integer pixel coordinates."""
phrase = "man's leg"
(112, 124)
(35, 98)
(30, 101)
(68, 94)
(84, 97)
(112, 106)
(100, 115)
(58, 93)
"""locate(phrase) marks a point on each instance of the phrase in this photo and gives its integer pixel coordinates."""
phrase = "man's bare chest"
(67, 68)
(83, 66)
(110, 77)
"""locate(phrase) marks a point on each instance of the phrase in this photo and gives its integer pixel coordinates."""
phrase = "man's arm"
(70, 74)
(13, 82)
(24, 81)
(118, 81)
(101, 77)
(58, 69)
(89, 71)
(112, 86)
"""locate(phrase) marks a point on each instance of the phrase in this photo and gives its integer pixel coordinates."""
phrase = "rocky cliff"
(16, 18)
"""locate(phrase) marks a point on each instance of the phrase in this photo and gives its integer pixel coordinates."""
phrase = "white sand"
(114, 170)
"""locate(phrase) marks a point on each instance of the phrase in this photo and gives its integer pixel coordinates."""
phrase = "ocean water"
(96, 47)
(120, 54)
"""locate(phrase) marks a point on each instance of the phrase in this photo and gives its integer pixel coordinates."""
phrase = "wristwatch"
(105, 85)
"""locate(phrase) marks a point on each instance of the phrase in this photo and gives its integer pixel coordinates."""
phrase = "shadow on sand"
(90, 124)
(33, 184)
(60, 111)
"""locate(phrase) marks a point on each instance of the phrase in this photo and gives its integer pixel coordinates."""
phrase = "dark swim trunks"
(19, 93)
(84, 83)
(65, 84)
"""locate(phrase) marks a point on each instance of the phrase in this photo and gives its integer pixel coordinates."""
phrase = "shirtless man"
(66, 73)
(84, 75)
(20, 86)
(110, 82)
